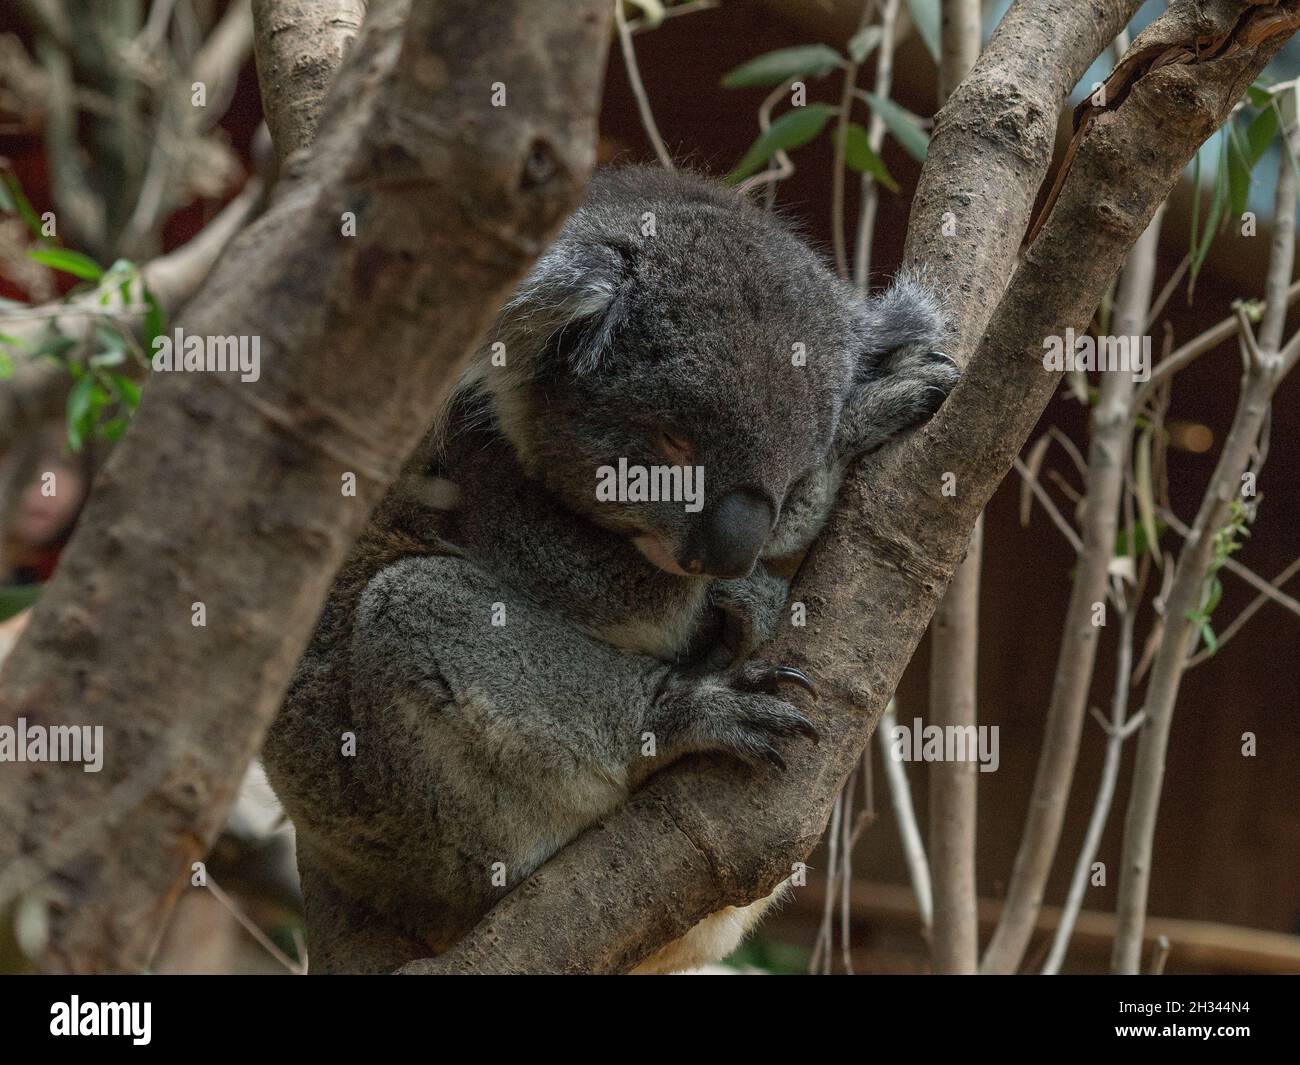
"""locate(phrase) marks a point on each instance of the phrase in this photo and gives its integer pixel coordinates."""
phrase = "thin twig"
(297, 968)
(869, 200)
(1058, 519)
(900, 797)
(638, 87)
(841, 146)
(1117, 731)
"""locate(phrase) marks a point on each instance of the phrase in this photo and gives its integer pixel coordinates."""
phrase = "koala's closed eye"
(676, 447)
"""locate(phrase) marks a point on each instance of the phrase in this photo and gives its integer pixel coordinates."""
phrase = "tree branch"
(1262, 373)
(954, 655)
(229, 494)
(298, 45)
(1063, 728)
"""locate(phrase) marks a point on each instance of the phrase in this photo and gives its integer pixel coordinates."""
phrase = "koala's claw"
(946, 358)
(797, 677)
(739, 712)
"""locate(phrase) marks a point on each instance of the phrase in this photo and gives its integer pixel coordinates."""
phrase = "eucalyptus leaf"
(68, 262)
(864, 42)
(905, 126)
(792, 130)
(925, 16)
(859, 156)
(802, 61)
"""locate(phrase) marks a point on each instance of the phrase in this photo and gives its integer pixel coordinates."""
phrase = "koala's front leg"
(752, 607)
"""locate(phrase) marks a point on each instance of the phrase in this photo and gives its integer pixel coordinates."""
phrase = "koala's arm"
(902, 377)
(533, 713)
(901, 380)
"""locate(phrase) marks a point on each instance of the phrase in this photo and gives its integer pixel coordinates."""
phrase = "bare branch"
(638, 87)
(1263, 373)
(1107, 456)
(299, 44)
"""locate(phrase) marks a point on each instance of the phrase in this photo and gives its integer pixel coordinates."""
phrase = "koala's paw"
(753, 607)
(913, 386)
(739, 712)
(928, 376)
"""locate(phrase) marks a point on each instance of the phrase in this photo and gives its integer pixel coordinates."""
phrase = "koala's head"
(674, 325)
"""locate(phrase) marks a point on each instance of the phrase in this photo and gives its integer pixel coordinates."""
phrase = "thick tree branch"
(706, 835)
(229, 494)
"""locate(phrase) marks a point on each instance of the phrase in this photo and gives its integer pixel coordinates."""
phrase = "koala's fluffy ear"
(573, 302)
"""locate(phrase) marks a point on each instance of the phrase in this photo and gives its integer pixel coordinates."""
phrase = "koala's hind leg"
(346, 936)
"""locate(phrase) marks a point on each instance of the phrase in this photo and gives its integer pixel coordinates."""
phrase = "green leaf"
(1216, 594)
(859, 156)
(1260, 134)
(68, 262)
(904, 125)
(81, 411)
(1141, 541)
(122, 273)
(154, 322)
(792, 130)
(21, 204)
(112, 430)
(864, 42)
(127, 390)
(1259, 95)
(16, 598)
(54, 346)
(803, 61)
(1217, 206)
(1238, 170)
(1211, 641)
(925, 16)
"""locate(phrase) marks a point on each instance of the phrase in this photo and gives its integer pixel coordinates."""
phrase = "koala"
(509, 650)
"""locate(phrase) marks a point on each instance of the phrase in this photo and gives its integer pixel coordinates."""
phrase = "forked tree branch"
(298, 45)
(1264, 370)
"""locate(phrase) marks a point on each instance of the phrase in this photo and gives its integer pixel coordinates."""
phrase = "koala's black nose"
(727, 540)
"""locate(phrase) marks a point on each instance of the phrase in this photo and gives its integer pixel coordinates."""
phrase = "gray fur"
(479, 744)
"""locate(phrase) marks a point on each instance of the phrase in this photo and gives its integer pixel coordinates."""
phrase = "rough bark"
(229, 493)
(298, 45)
